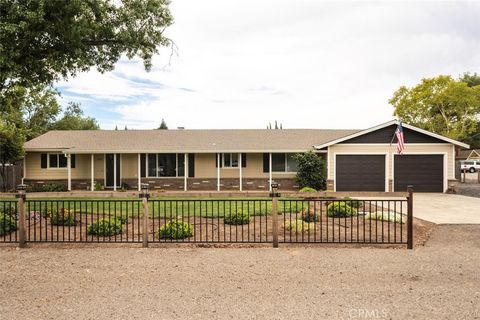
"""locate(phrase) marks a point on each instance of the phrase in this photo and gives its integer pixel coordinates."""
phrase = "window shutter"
(216, 159)
(43, 160)
(266, 162)
(72, 161)
(143, 170)
(191, 165)
(244, 160)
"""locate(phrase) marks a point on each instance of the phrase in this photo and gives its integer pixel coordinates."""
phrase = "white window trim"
(58, 162)
(231, 157)
(161, 177)
(285, 165)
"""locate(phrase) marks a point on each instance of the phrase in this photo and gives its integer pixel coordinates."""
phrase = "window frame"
(285, 163)
(58, 161)
(231, 160)
(147, 173)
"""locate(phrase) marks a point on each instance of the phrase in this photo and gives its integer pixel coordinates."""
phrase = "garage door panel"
(360, 172)
(423, 172)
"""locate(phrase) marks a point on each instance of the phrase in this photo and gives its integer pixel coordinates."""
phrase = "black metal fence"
(208, 221)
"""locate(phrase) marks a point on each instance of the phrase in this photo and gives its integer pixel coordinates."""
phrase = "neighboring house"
(471, 154)
(357, 160)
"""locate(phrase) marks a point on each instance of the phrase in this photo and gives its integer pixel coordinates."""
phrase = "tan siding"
(391, 150)
(34, 171)
(129, 166)
(99, 167)
(205, 168)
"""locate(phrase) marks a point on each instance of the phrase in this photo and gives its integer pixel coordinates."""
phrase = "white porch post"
(270, 171)
(69, 172)
(139, 173)
(114, 172)
(240, 172)
(24, 168)
(185, 171)
(92, 172)
(218, 171)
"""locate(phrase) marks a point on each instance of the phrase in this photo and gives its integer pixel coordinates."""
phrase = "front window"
(284, 162)
(166, 165)
(57, 160)
(230, 160)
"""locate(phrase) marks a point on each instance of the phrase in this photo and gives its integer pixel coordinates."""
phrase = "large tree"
(73, 119)
(42, 41)
(11, 147)
(442, 105)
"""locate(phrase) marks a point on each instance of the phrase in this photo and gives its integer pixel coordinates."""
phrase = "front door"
(109, 170)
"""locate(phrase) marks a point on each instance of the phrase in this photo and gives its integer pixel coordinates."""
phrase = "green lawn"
(164, 207)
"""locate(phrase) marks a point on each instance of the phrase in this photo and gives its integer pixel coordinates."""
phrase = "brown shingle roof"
(246, 140)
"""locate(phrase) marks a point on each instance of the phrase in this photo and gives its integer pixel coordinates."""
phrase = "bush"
(357, 204)
(53, 187)
(311, 170)
(63, 217)
(98, 187)
(237, 218)
(105, 227)
(394, 218)
(9, 209)
(299, 226)
(307, 189)
(340, 209)
(123, 219)
(175, 230)
(310, 216)
(7, 224)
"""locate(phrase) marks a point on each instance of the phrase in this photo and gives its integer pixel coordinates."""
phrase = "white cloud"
(306, 64)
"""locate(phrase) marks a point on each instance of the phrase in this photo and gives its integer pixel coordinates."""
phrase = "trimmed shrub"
(310, 216)
(105, 227)
(7, 224)
(123, 219)
(340, 209)
(63, 217)
(298, 226)
(9, 209)
(53, 187)
(237, 218)
(394, 218)
(307, 189)
(357, 204)
(175, 230)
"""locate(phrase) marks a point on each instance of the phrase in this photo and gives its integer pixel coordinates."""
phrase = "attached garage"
(425, 172)
(360, 172)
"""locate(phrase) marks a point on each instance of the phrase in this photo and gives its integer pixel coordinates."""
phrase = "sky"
(306, 64)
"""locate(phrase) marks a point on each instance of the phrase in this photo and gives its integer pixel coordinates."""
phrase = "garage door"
(360, 172)
(424, 172)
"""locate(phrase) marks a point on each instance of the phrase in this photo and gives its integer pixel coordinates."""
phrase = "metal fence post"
(21, 196)
(274, 194)
(144, 195)
(410, 218)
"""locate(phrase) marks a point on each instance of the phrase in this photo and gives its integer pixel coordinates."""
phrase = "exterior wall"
(446, 149)
(205, 174)
(34, 170)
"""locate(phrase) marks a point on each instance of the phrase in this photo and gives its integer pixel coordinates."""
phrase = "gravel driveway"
(440, 280)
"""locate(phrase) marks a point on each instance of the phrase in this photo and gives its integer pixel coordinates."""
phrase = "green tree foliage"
(311, 170)
(442, 105)
(276, 126)
(43, 40)
(11, 145)
(73, 119)
(163, 125)
(471, 80)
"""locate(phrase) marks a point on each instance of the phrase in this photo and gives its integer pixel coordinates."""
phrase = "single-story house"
(357, 160)
(470, 154)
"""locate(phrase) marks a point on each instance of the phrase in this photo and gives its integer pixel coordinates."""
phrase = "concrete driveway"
(446, 208)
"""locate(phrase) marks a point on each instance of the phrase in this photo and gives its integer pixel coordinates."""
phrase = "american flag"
(400, 141)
